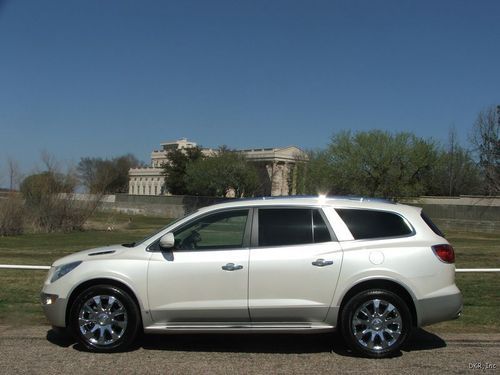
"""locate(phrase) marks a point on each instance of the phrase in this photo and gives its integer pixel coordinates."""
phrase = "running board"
(237, 328)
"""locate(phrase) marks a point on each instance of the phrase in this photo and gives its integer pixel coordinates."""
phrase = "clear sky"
(104, 77)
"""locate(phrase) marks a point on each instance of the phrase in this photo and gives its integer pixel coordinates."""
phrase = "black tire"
(109, 325)
(381, 328)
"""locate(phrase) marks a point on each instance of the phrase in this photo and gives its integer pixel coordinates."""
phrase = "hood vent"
(102, 252)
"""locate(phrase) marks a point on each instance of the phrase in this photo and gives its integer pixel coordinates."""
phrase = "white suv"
(370, 268)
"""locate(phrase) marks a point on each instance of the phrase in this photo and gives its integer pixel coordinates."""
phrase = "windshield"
(137, 243)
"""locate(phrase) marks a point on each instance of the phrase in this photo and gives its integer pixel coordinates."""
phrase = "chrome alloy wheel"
(102, 320)
(377, 324)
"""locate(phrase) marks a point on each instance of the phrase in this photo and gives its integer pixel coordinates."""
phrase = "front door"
(204, 278)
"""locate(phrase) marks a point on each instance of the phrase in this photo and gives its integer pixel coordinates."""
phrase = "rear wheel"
(376, 323)
(104, 318)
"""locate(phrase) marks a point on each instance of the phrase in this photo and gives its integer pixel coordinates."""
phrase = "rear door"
(294, 265)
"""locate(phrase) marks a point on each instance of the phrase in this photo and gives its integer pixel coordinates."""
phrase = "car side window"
(321, 232)
(291, 226)
(222, 230)
(369, 224)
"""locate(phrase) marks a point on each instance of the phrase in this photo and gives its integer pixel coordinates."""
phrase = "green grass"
(44, 248)
(481, 294)
(475, 250)
(19, 291)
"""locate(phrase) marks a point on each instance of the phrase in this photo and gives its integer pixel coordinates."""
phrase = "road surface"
(39, 350)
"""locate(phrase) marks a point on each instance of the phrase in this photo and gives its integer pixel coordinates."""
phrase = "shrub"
(11, 215)
(51, 205)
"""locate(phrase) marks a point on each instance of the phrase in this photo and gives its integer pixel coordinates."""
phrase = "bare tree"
(14, 174)
(49, 161)
(486, 141)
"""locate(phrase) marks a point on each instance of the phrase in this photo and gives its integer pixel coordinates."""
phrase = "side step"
(239, 328)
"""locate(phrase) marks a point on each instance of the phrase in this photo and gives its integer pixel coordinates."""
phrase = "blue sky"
(104, 77)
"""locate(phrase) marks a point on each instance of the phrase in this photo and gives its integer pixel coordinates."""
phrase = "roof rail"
(345, 197)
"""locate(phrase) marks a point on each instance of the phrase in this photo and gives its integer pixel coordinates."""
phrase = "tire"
(104, 318)
(376, 323)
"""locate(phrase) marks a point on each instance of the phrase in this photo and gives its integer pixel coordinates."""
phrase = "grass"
(475, 249)
(44, 248)
(481, 305)
(19, 292)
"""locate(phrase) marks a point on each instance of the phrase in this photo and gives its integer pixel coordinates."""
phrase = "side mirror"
(167, 241)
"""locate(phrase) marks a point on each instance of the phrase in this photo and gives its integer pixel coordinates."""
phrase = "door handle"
(232, 267)
(321, 262)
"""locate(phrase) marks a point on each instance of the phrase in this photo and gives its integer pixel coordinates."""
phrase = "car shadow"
(254, 343)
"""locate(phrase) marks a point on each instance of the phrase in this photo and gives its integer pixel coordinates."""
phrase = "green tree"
(315, 174)
(106, 176)
(373, 163)
(175, 169)
(37, 187)
(214, 176)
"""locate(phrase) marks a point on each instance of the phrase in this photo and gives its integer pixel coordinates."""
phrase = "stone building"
(277, 168)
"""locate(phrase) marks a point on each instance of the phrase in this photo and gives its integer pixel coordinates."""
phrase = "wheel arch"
(385, 284)
(101, 281)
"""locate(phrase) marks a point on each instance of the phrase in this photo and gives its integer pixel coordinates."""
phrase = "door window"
(222, 230)
(291, 226)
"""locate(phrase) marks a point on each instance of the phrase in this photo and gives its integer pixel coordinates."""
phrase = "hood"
(95, 253)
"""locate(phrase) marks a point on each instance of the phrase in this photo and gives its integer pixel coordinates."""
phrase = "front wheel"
(104, 318)
(375, 323)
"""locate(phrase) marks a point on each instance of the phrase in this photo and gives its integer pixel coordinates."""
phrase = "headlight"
(62, 270)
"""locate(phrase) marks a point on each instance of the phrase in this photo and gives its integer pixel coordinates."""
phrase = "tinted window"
(321, 233)
(280, 226)
(285, 227)
(365, 224)
(217, 231)
(431, 224)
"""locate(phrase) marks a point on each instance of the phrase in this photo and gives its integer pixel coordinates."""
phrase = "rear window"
(366, 224)
(431, 224)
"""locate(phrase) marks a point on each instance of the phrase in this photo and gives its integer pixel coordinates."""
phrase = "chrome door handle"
(321, 262)
(232, 267)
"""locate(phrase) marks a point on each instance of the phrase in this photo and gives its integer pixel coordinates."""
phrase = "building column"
(284, 179)
(277, 179)
(294, 178)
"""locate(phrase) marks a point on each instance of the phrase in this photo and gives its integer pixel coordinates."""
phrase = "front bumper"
(439, 309)
(54, 308)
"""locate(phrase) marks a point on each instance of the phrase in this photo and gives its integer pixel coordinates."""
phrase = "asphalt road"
(40, 350)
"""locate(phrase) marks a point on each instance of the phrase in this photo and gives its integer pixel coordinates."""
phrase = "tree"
(315, 174)
(486, 142)
(175, 169)
(13, 171)
(455, 172)
(106, 176)
(374, 163)
(216, 175)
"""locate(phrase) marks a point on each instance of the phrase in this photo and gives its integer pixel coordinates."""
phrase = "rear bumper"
(439, 309)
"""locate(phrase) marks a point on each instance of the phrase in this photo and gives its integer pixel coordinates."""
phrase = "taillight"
(444, 252)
